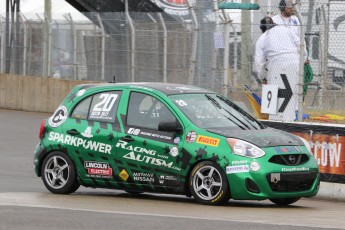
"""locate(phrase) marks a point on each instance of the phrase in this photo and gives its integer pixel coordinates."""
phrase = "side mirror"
(170, 126)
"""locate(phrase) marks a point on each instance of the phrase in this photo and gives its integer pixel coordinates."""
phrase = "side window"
(82, 109)
(146, 111)
(104, 106)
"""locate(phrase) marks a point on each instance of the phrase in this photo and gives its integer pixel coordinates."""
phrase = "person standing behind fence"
(278, 49)
(265, 24)
(286, 16)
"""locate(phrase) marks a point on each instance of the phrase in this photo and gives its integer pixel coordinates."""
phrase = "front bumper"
(275, 178)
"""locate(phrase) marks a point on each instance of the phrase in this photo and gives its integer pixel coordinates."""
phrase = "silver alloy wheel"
(207, 182)
(56, 172)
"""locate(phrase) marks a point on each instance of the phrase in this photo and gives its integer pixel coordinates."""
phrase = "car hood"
(262, 138)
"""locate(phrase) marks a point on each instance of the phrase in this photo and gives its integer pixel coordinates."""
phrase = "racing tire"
(209, 184)
(59, 174)
(285, 201)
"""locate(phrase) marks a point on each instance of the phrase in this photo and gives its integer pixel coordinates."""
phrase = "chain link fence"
(199, 45)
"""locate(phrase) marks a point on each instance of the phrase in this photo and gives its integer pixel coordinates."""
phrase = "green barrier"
(241, 6)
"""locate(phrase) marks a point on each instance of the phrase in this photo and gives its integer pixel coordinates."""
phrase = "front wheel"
(285, 201)
(59, 174)
(209, 184)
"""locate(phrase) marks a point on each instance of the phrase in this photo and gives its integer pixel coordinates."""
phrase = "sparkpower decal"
(207, 140)
(59, 117)
(79, 142)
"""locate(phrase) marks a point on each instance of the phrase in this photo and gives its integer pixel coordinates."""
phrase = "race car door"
(93, 129)
(149, 157)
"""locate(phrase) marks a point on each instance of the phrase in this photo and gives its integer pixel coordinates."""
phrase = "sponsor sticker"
(174, 151)
(207, 140)
(87, 132)
(181, 103)
(177, 140)
(59, 117)
(137, 132)
(191, 137)
(237, 169)
(167, 178)
(81, 92)
(133, 131)
(100, 169)
(239, 162)
(123, 175)
(295, 169)
(287, 149)
(143, 177)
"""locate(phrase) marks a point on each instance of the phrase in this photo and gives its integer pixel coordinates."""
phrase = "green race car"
(170, 138)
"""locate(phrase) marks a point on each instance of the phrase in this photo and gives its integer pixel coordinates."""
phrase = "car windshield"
(214, 111)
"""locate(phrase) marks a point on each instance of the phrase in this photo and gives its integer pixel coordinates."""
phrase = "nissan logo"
(292, 159)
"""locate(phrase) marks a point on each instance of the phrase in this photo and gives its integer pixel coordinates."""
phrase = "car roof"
(166, 88)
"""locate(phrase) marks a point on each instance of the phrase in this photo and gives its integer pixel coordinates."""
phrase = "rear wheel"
(209, 184)
(59, 174)
(285, 201)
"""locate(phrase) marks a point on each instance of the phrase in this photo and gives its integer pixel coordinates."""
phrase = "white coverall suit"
(278, 49)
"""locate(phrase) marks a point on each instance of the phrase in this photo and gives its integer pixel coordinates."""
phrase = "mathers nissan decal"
(143, 177)
(77, 142)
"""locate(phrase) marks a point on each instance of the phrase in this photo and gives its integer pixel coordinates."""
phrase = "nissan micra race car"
(170, 138)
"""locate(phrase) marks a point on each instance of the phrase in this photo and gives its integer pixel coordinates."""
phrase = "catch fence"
(199, 45)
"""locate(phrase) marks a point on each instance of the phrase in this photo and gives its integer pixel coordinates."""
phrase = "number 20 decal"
(106, 104)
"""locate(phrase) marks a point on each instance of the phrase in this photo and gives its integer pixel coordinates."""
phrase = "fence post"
(165, 47)
(74, 34)
(25, 43)
(226, 53)
(130, 22)
(102, 48)
(194, 45)
(2, 45)
(301, 69)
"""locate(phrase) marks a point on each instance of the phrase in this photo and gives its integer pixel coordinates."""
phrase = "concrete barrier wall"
(38, 94)
(44, 94)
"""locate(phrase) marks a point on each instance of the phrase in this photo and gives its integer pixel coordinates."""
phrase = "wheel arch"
(187, 178)
(43, 155)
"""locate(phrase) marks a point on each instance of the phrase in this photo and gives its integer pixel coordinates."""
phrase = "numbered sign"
(269, 99)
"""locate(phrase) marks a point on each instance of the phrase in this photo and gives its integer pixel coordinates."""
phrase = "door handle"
(73, 132)
(127, 138)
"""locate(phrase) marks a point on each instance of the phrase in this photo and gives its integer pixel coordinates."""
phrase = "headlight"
(306, 143)
(245, 149)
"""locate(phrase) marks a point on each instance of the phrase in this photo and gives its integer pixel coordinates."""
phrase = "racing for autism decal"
(59, 117)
